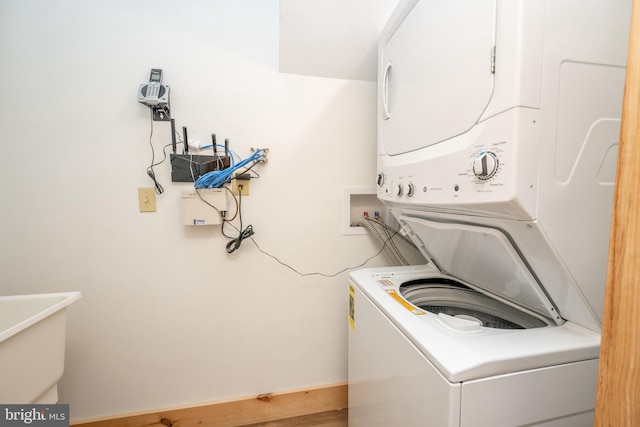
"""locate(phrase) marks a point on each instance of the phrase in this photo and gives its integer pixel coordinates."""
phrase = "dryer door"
(436, 75)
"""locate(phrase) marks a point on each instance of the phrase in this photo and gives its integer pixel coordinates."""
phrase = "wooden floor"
(323, 419)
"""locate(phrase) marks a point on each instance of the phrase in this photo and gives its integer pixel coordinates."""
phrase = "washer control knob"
(380, 179)
(485, 165)
(409, 190)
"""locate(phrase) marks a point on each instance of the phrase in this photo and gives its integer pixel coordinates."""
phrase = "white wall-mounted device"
(155, 95)
(154, 92)
(199, 206)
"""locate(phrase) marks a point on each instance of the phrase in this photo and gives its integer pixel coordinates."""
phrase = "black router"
(189, 167)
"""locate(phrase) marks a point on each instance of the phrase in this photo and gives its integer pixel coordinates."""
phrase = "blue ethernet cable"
(217, 178)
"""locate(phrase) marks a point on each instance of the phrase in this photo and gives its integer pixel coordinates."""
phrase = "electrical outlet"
(147, 199)
(237, 185)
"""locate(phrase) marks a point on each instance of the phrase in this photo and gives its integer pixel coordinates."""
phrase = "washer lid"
(483, 256)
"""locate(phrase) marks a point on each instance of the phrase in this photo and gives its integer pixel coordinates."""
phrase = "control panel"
(491, 169)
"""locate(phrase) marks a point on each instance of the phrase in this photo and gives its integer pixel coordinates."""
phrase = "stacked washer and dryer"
(497, 146)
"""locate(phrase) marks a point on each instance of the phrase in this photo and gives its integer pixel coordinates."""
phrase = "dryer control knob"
(380, 179)
(485, 165)
(399, 190)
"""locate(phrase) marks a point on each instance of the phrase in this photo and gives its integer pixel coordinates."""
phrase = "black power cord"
(235, 243)
(150, 172)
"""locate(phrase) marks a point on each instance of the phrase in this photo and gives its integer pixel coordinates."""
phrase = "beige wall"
(169, 318)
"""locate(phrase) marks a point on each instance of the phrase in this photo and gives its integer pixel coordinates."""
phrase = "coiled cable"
(234, 244)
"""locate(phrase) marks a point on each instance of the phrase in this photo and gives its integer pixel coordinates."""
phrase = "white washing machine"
(497, 147)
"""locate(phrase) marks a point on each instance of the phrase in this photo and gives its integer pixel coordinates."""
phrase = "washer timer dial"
(485, 165)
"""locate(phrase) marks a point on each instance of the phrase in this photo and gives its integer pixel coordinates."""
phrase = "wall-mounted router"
(189, 167)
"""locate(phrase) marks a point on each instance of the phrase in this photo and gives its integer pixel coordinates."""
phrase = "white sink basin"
(32, 343)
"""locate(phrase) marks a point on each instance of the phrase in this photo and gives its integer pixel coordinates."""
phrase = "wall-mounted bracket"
(161, 113)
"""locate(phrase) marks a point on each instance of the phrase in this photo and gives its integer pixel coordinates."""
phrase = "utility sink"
(32, 346)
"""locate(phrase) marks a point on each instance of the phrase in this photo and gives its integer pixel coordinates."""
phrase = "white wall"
(332, 38)
(169, 318)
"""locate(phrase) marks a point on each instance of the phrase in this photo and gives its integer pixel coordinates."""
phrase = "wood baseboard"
(257, 409)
